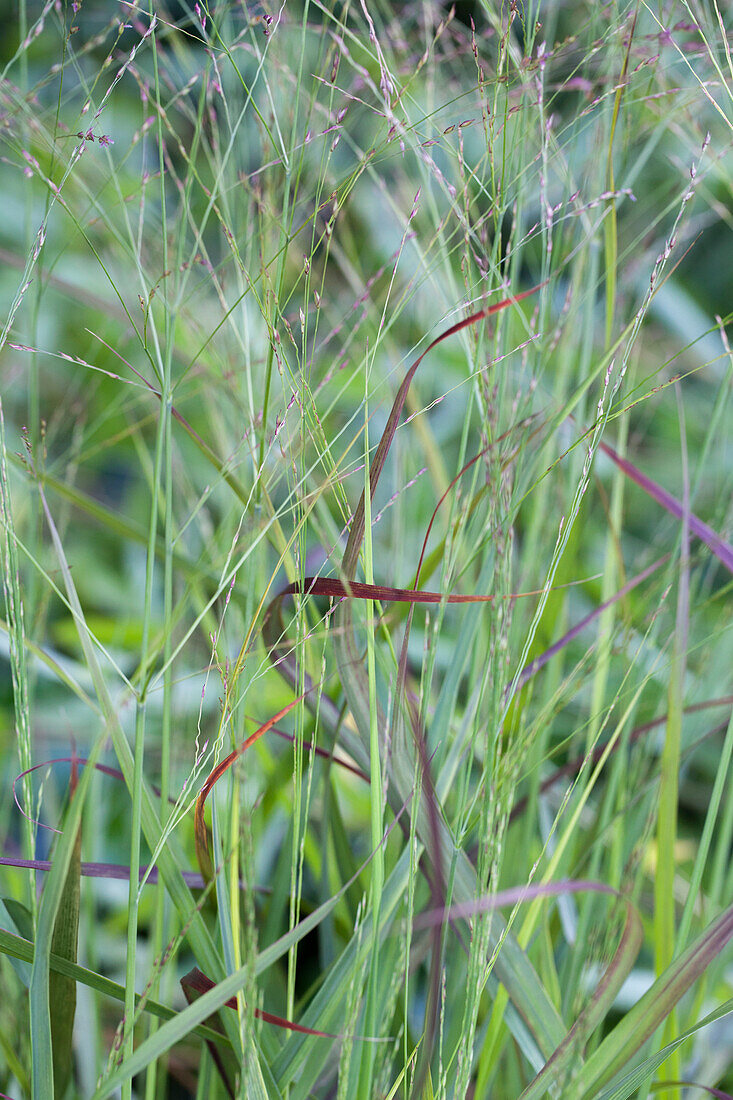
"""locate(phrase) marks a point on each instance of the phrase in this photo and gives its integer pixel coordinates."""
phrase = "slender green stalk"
(665, 935)
(371, 1010)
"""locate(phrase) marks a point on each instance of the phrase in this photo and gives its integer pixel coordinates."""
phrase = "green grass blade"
(641, 1021)
(62, 990)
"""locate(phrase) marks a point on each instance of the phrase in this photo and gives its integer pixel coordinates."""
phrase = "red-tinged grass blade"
(625, 1085)
(457, 478)
(443, 497)
(651, 1010)
(356, 533)
(329, 586)
(61, 989)
(273, 629)
(223, 1059)
(203, 853)
(196, 981)
(574, 766)
(722, 549)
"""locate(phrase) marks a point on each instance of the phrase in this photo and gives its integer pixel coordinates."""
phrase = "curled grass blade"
(651, 1010)
(203, 852)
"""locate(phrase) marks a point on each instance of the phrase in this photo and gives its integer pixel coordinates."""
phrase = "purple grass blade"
(573, 766)
(722, 549)
(113, 871)
(539, 662)
(694, 1085)
(512, 896)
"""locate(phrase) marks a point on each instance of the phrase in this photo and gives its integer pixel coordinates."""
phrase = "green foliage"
(231, 233)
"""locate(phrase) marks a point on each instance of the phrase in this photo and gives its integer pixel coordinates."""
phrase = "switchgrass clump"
(366, 550)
